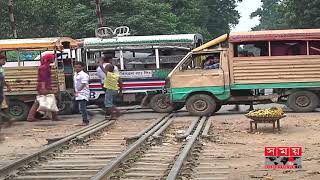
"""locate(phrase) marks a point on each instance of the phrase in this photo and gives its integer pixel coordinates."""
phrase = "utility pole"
(11, 17)
(99, 14)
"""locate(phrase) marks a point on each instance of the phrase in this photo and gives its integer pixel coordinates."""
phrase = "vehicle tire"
(65, 108)
(18, 110)
(159, 104)
(178, 106)
(201, 105)
(303, 101)
(218, 107)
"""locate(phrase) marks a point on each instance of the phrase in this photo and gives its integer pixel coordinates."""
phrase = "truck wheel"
(178, 106)
(65, 107)
(201, 105)
(159, 104)
(303, 101)
(218, 107)
(18, 110)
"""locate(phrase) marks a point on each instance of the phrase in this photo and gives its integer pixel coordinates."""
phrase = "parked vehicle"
(143, 61)
(23, 60)
(287, 62)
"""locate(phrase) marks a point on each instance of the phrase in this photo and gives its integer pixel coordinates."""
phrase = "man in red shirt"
(44, 85)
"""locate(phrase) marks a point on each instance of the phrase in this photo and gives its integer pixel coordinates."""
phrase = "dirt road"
(242, 152)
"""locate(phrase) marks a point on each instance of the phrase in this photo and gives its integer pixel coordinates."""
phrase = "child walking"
(112, 84)
(82, 92)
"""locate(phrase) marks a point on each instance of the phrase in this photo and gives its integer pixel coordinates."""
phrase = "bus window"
(139, 60)
(92, 60)
(314, 47)
(288, 48)
(28, 55)
(26, 58)
(12, 56)
(169, 58)
(251, 49)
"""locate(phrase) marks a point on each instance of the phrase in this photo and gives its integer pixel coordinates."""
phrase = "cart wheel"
(201, 105)
(18, 110)
(303, 101)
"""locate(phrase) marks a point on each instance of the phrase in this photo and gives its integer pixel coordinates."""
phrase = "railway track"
(158, 154)
(155, 151)
(77, 156)
(212, 159)
(209, 160)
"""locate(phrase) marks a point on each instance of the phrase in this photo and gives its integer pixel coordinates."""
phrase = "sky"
(245, 8)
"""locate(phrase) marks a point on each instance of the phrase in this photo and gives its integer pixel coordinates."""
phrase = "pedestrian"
(112, 84)
(5, 119)
(44, 86)
(103, 62)
(105, 59)
(82, 91)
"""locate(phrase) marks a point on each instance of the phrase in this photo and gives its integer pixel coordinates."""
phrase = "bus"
(284, 62)
(21, 69)
(143, 62)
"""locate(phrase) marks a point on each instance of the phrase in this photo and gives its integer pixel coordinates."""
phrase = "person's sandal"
(82, 124)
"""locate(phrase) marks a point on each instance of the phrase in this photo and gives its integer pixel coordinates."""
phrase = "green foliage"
(76, 18)
(288, 14)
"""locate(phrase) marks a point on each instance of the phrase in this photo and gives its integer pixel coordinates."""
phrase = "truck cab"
(244, 66)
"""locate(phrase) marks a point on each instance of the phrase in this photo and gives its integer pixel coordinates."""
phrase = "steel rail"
(109, 168)
(135, 137)
(206, 129)
(86, 134)
(7, 169)
(189, 130)
(158, 133)
(175, 170)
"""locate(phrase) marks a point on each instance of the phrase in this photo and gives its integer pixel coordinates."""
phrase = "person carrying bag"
(45, 98)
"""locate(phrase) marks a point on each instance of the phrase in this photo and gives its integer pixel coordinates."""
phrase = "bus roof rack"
(107, 32)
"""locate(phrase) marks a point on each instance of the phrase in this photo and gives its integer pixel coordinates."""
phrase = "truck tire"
(65, 108)
(178, 106)
(201, 105)
(303, 101)
(218, 107)
(159, 104)
(18, 110)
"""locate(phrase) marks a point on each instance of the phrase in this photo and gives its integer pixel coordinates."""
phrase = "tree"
(285, 14)
(271, 15)
(144, 17)
(5, 29)
(76, 18)
(223, 16)
(302, 13)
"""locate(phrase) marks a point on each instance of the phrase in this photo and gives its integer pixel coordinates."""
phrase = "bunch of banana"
(269, 112)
